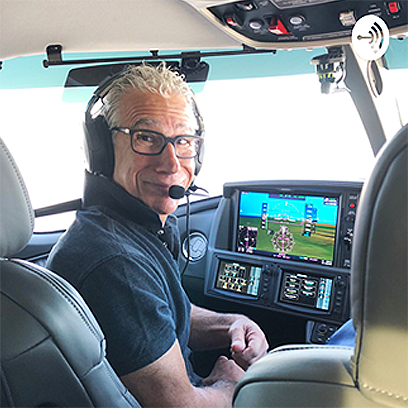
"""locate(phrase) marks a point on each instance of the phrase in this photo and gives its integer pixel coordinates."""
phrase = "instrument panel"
(285, 246)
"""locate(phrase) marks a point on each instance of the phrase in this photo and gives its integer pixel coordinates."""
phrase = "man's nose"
(169, 162)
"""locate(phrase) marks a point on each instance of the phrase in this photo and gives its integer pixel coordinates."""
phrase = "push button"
(233, 20)
(347, 18)
(246, 6)
(255, 24)
(297, 20)
(393, 7)
(277, 27)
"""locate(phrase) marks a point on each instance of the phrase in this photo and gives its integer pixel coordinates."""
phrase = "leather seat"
(374, 373)
(52, 349)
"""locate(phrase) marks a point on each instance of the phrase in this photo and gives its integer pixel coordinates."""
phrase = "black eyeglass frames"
(152, 143)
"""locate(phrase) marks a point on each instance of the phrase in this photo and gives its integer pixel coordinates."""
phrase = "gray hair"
(159, 80)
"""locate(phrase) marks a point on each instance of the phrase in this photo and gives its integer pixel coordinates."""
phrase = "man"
(121, 252)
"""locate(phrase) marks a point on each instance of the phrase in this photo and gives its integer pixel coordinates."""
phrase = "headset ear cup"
(98, 145)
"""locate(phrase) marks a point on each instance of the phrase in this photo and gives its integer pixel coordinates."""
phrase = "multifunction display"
(239, 278)
(288, 226)
(306, 290)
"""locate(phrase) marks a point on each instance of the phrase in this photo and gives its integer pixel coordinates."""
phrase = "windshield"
(262, 127)
(280, 128)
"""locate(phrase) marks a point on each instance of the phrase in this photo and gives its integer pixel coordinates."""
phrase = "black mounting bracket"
(54, 56)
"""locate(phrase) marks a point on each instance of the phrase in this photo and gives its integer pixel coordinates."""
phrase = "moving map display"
(288, 226)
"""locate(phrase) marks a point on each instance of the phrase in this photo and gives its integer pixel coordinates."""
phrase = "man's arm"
(165, 383)
(211, 330)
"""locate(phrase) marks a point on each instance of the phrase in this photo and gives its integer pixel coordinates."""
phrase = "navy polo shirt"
(124, 264)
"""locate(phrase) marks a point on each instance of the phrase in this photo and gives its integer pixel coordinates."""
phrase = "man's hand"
(248, 342)
(211, 330)
(224, 370)
(164, 383)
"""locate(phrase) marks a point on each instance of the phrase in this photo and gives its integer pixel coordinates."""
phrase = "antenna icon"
(376, 37)
(370, 37)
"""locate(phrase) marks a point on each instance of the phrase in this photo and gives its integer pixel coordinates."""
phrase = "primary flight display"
(288, 226)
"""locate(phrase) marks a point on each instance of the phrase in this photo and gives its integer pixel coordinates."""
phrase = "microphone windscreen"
(177, 192)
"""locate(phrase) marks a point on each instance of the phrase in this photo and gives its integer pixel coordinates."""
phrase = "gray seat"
(52, 349)
(374, 373)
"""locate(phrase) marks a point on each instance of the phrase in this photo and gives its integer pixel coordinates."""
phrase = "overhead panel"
(283, 24)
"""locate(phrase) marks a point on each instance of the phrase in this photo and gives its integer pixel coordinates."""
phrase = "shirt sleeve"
(130, 303)
(344, 336)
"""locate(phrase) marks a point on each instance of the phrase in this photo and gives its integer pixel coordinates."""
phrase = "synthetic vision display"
(288, 226)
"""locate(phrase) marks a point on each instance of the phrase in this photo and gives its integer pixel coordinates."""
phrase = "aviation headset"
(98, 137)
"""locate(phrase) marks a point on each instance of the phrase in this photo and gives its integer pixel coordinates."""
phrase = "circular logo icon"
(370, 37)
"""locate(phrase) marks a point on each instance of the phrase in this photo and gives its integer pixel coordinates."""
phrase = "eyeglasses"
(151, 143)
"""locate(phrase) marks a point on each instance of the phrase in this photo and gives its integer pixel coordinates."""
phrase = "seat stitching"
(384, 392)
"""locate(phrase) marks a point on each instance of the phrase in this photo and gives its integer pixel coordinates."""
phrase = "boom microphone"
(177, 192)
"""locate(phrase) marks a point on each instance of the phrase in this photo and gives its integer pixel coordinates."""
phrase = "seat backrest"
(52, 349)
(375, 372)
(379, 287)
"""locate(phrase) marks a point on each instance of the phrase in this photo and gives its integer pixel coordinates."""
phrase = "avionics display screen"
(288, 226)
(239, 278)
(306, 290)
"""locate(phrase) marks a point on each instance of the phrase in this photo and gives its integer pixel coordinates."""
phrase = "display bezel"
(294, 192)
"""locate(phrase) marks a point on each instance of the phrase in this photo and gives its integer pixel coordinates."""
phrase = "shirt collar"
(104, 192)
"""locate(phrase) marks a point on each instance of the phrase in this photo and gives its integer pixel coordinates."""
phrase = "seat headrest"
(379, 278)
(16, 212)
